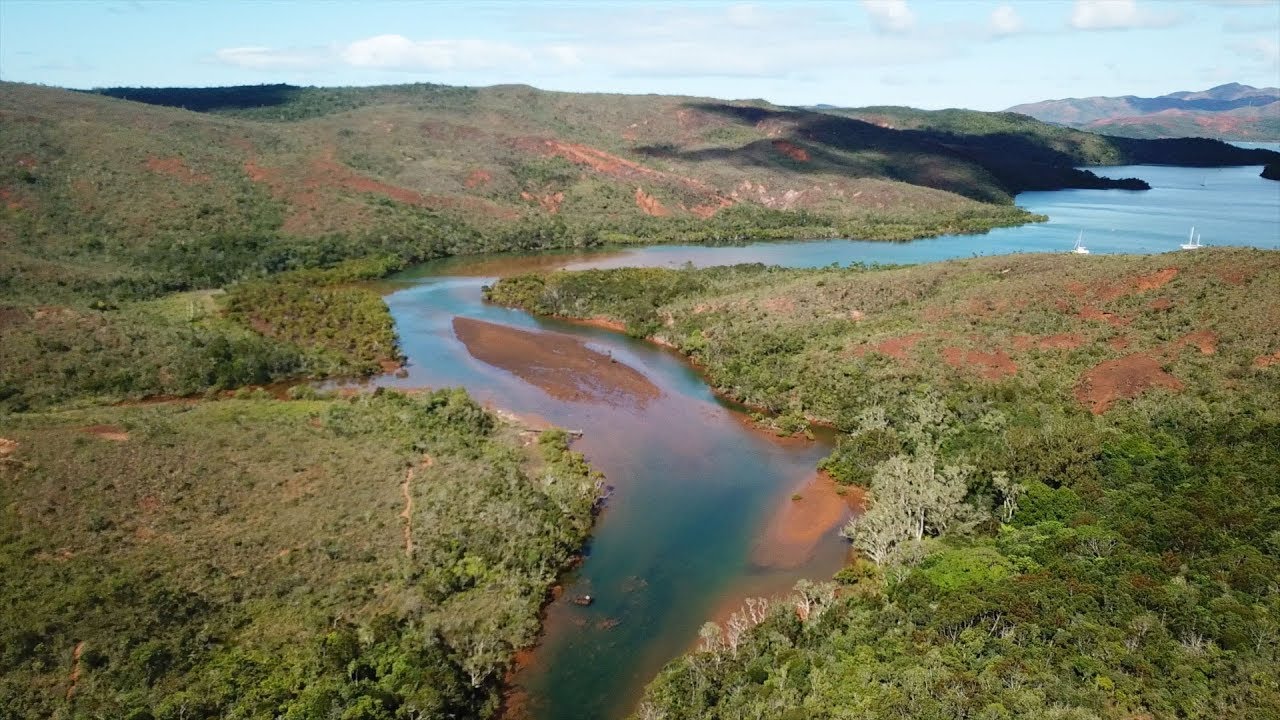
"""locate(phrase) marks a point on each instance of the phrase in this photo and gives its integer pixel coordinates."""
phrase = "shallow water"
(694, 486)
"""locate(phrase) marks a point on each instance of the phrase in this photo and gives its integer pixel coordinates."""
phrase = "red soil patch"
(10, 198)
(1089, 312)
(650, 204)
(1205, 340)
(781, 305)
(992, 366)
(1124, 378)
(614, 166)
(7, 447)
(560, 365)
(477, 178)
(1119, 342)
(896, 347)
(25, 161)
(549, 202)
(1066, 341)
(258, 173)
(389, 366)
(596, 159)
(324, 174)
(797, 527)
(600, 321)
(708, 210)
(107, 432)
(791, 150)
(1161, 304)
(175, 167)
(1265, 361)
(1139, 284)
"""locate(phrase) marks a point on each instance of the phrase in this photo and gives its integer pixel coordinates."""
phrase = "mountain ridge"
(111, 197)
(1228, 112)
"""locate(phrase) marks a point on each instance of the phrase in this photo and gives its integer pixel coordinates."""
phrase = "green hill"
(379, 557)
(1072, 469)
(104, 197)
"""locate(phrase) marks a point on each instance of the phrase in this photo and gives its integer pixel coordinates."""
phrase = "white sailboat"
(1080, 249)
(1193, 241)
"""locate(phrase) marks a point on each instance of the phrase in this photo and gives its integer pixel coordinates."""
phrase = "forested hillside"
(373, 558)
(1073, 471)
(112, 199)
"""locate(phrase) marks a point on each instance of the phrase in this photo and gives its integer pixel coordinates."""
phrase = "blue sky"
(985, 54)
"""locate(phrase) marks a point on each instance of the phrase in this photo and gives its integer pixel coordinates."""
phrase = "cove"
(694, 486)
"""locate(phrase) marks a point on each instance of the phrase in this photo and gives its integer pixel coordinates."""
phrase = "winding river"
(694, 485)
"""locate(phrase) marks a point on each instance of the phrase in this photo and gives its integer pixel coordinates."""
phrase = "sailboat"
(1080, 249)
(1193, 241)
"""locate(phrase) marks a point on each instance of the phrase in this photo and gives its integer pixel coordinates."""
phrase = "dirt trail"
(406, 488)
(107, 432)
(561, 365)
(75, 668)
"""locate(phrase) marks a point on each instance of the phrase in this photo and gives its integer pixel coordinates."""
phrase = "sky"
(982, 54)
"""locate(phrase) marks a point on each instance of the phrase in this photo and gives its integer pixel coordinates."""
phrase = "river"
(693, 484)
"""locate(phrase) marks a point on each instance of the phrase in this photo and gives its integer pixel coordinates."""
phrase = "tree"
(910, 497)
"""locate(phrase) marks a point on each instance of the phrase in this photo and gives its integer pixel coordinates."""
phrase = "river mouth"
(702, 513)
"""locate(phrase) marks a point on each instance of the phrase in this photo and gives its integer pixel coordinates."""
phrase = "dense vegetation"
(1073, 468)
(378, 557)
(299, 324)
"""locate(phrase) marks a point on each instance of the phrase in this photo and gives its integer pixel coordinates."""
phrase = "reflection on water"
(695, 488)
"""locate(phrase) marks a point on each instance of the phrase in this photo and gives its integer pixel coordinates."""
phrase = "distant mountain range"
(1226, 112)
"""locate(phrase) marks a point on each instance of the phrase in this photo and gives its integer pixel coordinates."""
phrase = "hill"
(1226, 112)
(111, 198)
(369, 558)
(1069, 464)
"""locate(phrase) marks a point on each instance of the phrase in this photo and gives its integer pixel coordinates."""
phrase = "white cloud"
(687, 46)
(890, 15)
(397, 52)
(1117, 15)
(1005, 21)
(264, 58)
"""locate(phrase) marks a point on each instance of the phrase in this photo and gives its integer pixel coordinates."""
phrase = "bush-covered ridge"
(102, 198)
(291, 326)
(373, 558)
(1071, 465)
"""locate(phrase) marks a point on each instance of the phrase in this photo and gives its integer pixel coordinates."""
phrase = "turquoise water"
(692, 484)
